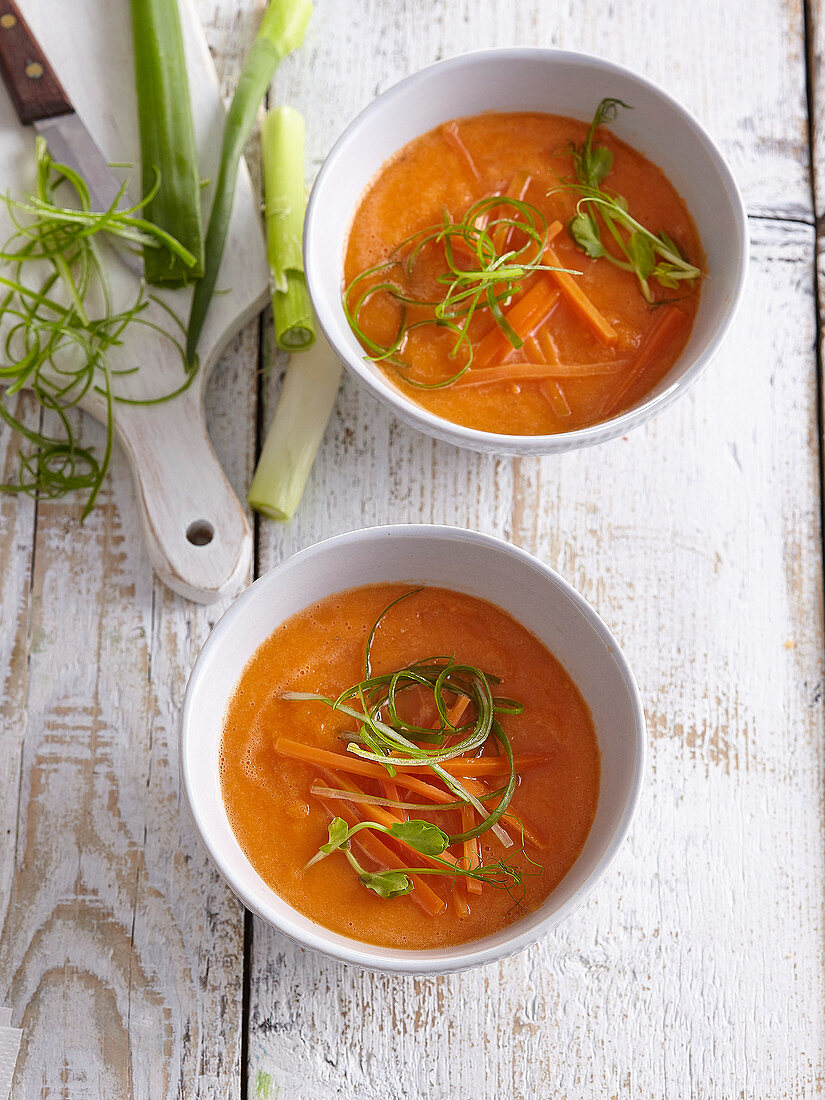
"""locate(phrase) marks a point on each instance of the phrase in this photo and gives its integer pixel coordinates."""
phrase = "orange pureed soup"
(519, 193)
(278, 753)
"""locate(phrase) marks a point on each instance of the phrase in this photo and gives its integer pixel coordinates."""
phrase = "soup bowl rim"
(356, 952)
(338, 334)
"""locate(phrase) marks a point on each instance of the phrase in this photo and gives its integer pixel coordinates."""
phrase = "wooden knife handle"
(33, 87)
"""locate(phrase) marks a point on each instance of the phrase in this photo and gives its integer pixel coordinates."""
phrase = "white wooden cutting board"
(183, 492)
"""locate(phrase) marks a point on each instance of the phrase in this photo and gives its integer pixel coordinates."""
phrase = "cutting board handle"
(197, 534)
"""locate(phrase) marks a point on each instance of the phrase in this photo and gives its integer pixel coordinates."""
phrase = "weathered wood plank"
(121, 950)
(17, 528)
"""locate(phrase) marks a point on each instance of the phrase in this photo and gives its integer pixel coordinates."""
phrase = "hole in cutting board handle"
(200, 532)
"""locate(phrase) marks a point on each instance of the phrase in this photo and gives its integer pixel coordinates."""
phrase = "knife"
(40, 101)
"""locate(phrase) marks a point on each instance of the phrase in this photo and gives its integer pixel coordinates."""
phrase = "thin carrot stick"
(550, 353)
(531, 372)
(449, 132)
(472, 851)
(456, 711)
(571, 289)
(460, 901)
(552, 392)
(516, 822)
(391, 791)
(530, 311)
(516, 189)
(664, 329)
(423, 895)
(383, 816)
(354, 765)
(533, 351)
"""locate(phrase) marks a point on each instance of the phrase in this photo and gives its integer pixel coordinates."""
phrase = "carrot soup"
(523, 273)
(409, 766)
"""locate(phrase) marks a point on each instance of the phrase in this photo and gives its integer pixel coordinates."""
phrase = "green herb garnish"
(481, 276)
(423, 837)
(60, 323)
(281, 31)
(645, 254)
(386, 738)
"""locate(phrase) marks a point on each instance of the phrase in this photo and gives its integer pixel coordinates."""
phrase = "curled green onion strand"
(60, 324)
(481, 280)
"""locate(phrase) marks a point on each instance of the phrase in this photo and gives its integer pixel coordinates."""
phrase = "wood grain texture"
(696, 970)
(120, 949)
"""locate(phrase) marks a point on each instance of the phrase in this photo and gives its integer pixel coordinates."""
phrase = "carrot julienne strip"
(554, 394)
(548, 346)
(665, 328)
(456, 711)
(384, 817)
(570, 288)
(449, 132)
(516, 189)
(458, 766)
(526, 372)
(423, 894)
(460, 902)
(533, 351)
(337, 761)
(472, 851)
(551, 390)
(530, 311)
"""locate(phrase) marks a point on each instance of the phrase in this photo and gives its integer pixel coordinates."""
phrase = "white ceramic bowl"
(557, 82)
(465, 561)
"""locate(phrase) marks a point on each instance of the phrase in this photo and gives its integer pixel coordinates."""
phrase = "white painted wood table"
(696, 970)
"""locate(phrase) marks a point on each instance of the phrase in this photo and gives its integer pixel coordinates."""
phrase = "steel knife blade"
(40, 101)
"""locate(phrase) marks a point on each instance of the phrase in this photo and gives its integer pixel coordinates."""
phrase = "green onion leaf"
(282, 142)
(305, 404)
(168, 154)
(281, 31)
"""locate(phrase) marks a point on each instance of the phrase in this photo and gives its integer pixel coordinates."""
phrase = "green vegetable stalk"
(282, 140)
(169, 158)
(307, 397)
(281, 31)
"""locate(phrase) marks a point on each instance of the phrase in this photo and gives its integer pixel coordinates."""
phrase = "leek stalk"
(282, 141)
(282, 30)
(168, 153)
(306, 400)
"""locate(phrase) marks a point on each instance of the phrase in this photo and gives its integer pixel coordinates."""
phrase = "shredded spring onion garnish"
(483, 273)
(386, 738)
(59, 322)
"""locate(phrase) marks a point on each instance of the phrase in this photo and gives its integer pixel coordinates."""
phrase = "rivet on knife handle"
(33, 87)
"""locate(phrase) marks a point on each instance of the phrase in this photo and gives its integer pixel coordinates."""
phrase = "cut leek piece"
(168, 153)
(282, 141)
(307, 397)
(282, 30)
